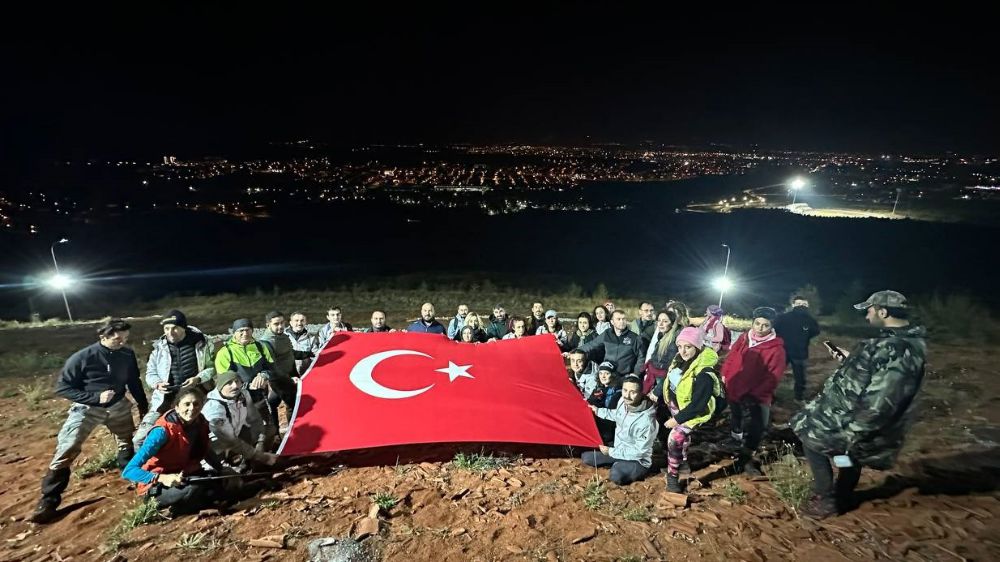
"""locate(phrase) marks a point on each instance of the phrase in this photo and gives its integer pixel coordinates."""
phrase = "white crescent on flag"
(361, 376)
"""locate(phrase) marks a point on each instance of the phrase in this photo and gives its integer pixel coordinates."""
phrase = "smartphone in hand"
(834, 349)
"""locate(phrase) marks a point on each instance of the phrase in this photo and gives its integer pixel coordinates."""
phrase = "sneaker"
(44, 513)
(732, 443)
(819, 507)
(673, 484)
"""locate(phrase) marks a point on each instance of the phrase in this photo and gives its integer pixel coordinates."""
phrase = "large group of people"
(653, 379)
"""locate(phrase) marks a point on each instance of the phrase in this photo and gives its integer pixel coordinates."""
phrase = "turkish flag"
(375, 390)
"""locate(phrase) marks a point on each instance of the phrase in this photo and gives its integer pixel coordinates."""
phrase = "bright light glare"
(60, 282)
(798, 183)
(722, 284)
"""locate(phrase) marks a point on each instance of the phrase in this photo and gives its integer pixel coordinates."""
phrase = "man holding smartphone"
(865, 408)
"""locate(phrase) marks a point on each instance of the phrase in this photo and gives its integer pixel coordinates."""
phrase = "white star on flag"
(454, 371)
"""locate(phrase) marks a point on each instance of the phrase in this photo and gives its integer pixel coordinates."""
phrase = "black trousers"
(189, 498)
(799, 372)
(751, 415)
(823, 484)
(282, 390)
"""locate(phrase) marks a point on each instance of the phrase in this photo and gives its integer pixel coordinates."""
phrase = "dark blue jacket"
(94, 369)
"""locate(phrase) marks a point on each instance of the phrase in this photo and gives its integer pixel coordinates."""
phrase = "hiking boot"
(44, 512)
(745, 464)
(674, 484)
(819, 507)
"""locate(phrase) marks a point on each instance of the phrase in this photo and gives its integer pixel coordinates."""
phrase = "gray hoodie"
(635, 431)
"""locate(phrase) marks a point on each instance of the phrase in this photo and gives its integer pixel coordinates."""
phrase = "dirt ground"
(939, 503)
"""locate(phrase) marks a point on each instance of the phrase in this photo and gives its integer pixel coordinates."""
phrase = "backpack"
(727, 338)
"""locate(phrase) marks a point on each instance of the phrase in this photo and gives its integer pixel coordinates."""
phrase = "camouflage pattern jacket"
(866, 406)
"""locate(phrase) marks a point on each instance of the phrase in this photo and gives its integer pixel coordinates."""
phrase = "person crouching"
(631, 456)
(173, 450)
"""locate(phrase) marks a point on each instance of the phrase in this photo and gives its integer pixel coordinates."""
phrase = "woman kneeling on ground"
(172, 451)
(751, 372)
(692, 390)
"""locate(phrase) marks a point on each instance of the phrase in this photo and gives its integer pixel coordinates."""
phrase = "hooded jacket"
(226, 419)
(754, 372)
(635, 431)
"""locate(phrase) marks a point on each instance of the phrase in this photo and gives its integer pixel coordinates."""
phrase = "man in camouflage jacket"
(865, 409)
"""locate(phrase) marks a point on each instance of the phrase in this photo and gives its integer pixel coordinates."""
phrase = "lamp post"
(796, 185)
(61, 285)
(724, 282)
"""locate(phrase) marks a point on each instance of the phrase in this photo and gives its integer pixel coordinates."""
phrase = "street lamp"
(899, 190)
(796, 184)
(723, 283)
(60, 281)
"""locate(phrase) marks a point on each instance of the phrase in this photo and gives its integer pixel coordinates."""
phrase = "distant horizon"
(290, 142)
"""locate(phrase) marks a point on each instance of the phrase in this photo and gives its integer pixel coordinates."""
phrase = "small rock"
(208, 513)
(515, 482)
(513, 549)
(373, 511)
(551, 556)
(671, 499)
(271, 541)
(365, 528)
(685, 528)
(582, 535)
(457, 531)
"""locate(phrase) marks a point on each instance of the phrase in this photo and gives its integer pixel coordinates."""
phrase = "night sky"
(213, 80)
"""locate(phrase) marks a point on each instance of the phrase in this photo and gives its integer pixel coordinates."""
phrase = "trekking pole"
(196, 479)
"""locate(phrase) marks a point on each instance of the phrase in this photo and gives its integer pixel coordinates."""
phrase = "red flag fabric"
(375, 390)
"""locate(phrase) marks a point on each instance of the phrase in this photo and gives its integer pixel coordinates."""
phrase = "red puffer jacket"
(754, 372)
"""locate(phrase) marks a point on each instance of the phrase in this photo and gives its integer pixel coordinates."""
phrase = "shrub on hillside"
(956, 317)
(844, 312)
